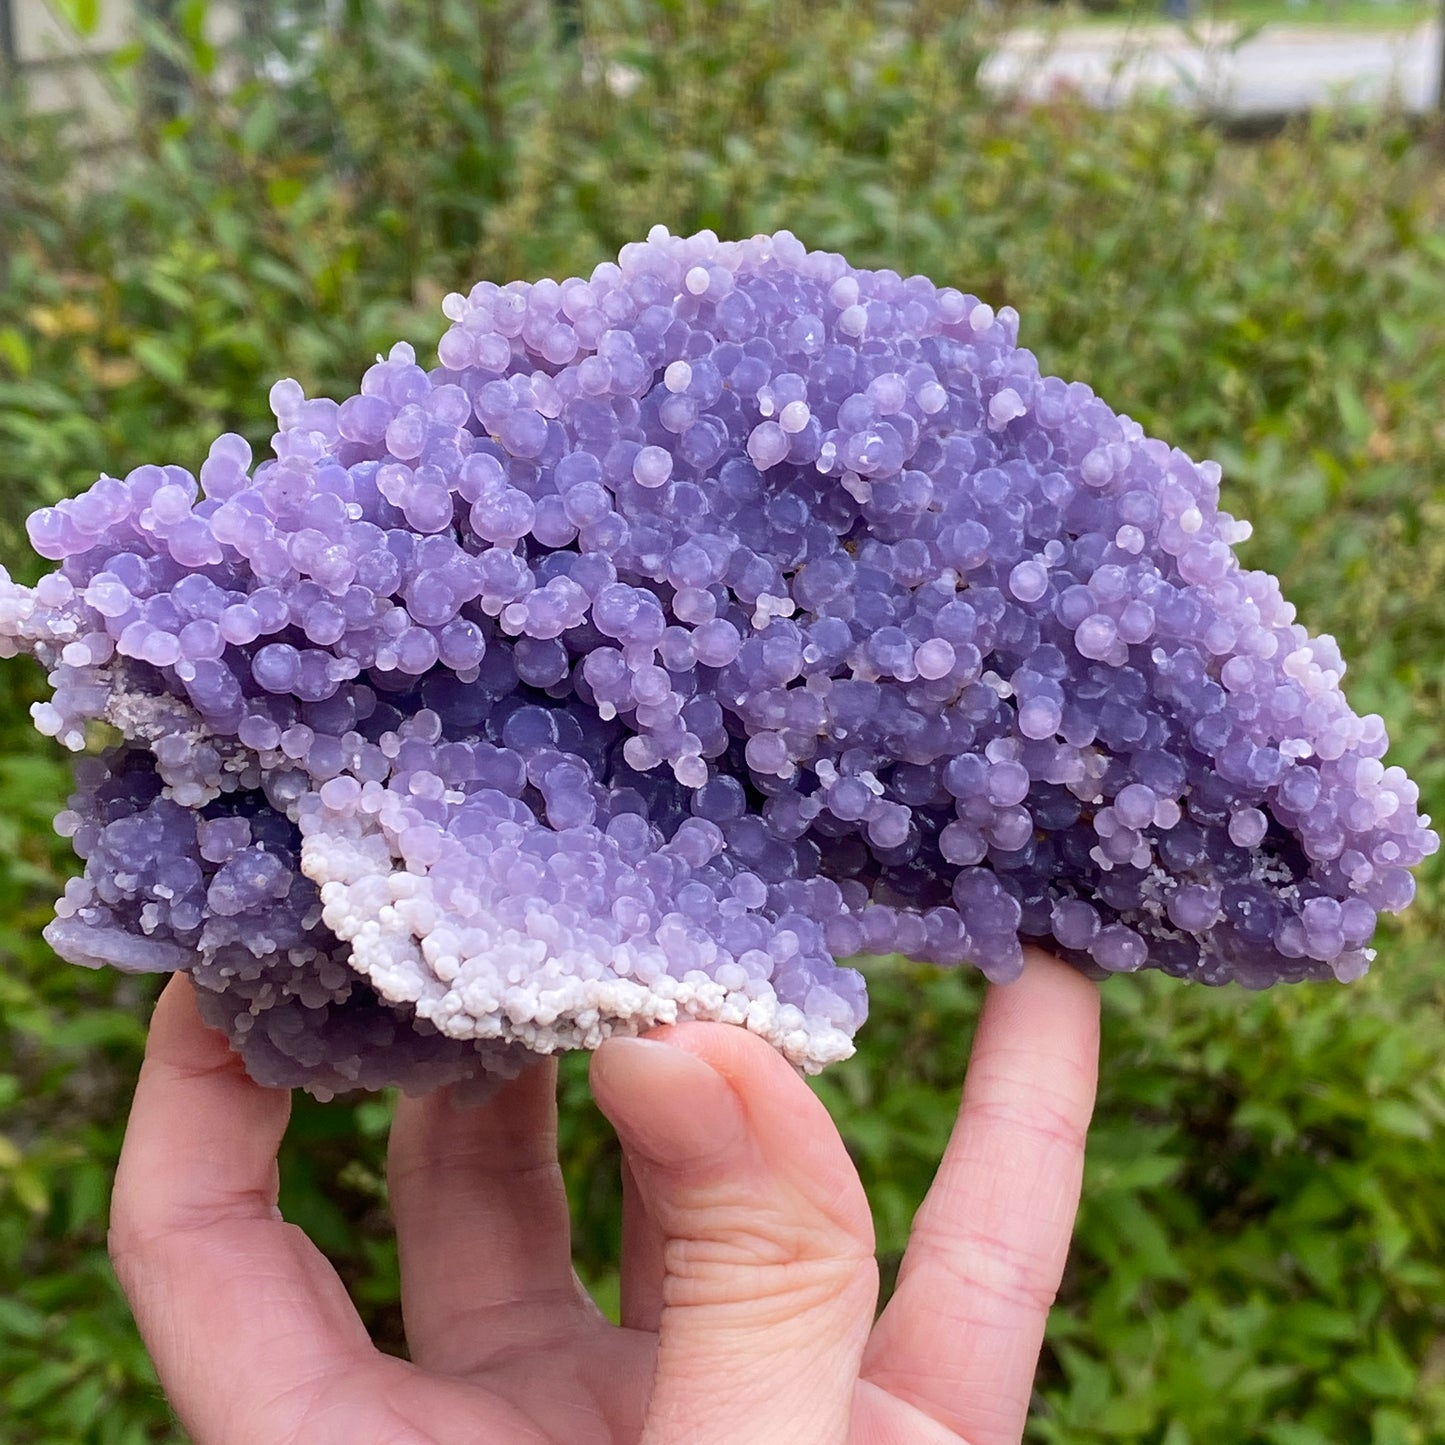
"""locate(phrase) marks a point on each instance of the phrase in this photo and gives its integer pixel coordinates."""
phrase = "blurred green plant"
(1260, 1253)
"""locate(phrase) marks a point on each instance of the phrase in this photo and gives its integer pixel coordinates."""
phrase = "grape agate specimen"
(687, 629)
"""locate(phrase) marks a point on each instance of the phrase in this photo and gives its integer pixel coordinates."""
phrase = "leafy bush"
(1259, 1256)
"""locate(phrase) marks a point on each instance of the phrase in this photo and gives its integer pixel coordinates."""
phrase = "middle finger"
(482, 1225)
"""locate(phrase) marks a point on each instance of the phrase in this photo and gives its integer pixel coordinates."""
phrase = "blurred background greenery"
(1261, 1252)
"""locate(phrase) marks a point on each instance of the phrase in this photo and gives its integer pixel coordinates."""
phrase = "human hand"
(748, 1279)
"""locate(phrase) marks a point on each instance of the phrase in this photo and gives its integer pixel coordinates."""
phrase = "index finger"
(238, 1309)
(960, 1339)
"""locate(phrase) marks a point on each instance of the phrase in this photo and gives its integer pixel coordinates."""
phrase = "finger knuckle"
(985, 1267)
(748, 1261)
(1044, 1117)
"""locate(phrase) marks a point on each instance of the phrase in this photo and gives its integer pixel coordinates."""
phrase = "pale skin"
(749, 1287)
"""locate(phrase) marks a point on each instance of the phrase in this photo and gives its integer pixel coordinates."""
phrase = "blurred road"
(1282, 70)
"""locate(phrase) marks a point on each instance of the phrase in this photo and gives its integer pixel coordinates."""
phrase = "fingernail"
(668, 1105)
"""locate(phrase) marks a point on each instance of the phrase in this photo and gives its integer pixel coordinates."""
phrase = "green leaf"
(82, 16)
(259, 128)
(21, 1321)
(1407, 1121)
(1385, 1374)
(29, 1189)
(34, 1385)
(160, 359)
(15, 351)
(1289, 1432)
(1358, 425)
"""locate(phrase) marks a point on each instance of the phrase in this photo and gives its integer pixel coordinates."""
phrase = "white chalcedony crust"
(488, 981)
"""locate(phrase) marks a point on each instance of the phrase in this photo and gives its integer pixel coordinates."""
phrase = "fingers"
(482, 1225)
(240, 1313)
(960, 1339)
(642, 1259)
(768, 1283)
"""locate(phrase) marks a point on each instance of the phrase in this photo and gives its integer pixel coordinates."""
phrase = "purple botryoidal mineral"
(688, 628)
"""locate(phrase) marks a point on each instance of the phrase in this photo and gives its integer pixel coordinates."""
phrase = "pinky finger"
(960, 1339)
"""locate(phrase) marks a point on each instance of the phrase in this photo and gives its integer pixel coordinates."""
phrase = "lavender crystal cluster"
(688, 628)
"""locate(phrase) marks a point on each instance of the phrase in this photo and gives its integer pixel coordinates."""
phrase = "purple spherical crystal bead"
(690, 626)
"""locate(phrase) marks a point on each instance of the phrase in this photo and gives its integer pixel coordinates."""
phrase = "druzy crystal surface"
(687, 629)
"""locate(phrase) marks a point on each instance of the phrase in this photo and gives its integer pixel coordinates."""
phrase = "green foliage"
(1260, 1253)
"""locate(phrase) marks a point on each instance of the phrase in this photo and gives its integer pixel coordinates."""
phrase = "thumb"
(769, 1280)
